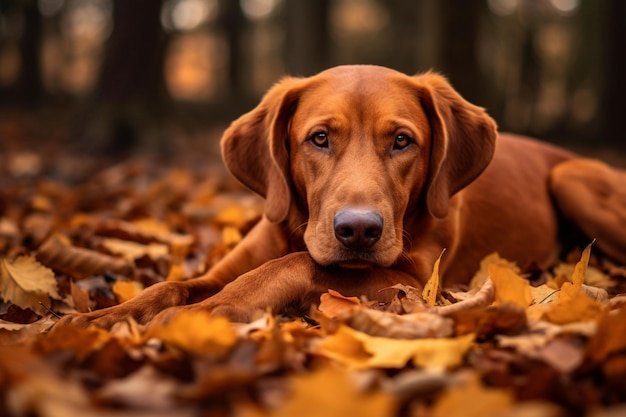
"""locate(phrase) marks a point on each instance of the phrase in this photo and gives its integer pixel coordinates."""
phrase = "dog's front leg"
(293, 282)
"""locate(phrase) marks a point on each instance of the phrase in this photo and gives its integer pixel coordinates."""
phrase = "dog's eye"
(320, 139)
(401, 141)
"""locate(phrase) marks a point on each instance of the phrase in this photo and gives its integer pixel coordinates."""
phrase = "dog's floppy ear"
(463, 141)
(254, 148)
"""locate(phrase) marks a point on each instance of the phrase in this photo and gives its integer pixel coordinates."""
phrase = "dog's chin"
(356, 264)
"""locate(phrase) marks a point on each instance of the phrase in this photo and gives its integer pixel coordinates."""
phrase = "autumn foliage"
(511, 343)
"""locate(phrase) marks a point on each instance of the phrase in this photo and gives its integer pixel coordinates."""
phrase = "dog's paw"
(101, 318)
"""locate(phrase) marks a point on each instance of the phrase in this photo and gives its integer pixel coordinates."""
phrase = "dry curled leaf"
(27, 283)
(333, 303)
(79, 262)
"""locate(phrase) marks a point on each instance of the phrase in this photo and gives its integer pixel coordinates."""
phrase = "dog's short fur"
(368, 175)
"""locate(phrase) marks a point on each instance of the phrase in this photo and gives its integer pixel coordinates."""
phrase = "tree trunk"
(130, 102)
(307, 41)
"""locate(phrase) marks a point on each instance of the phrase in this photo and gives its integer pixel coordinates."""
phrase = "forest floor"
(83, 232)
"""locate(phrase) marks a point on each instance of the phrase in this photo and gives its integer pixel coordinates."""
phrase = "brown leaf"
(406, 326)
(80, 298)
(27, 283)
(78, 262)
(610, 336)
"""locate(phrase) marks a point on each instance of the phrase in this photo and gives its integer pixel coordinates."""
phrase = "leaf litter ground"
(78, 235)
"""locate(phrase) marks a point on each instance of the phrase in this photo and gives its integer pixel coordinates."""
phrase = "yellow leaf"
(578, 278)
(125, 290)
(346, 346)
(133, 250)
(543, 294)
(439, 354)
(231, 236)
(330, 392)
(483, 273)
(432, 286)
(510, 287)
(27, 283)
(360, 351)
(198, 332)
(473, 400)
(573, 305)
(177, 272)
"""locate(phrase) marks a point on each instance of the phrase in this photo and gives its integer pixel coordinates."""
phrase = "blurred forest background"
(113, 76)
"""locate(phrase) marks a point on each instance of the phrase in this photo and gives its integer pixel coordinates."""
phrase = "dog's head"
(354, 151)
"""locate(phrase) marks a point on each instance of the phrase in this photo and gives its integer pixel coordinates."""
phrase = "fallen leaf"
(136, 388)
(509, 286)
(473, 400)
(481, 276)
(573, 305)
(360, 351)
(578, 277)
(133, 250)
(405, 326)
(126, 290)
(197, 332)
(431, 288)
(329, 392)
(610, 336)
(333, 303)
(543, 294)
(80, 298)
(14, 333)
(78, 262)
(28, 284)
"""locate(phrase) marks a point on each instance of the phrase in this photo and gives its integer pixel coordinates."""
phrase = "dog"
(368, 175)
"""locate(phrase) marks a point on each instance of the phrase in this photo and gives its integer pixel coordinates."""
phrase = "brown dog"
(368, 175)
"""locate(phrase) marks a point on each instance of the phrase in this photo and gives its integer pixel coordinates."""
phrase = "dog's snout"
(358, 229)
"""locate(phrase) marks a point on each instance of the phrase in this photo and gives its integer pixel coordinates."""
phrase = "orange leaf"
(333, 303)
(126, 290)
(510, 287)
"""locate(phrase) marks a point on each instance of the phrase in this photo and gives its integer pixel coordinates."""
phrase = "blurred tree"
(459, 26)
(29, 83)
(615, 82)
(307, 39)
(404, 55)
(128, 108)
(233, 24)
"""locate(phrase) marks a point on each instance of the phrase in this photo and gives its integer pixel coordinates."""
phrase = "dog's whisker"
(293, 232)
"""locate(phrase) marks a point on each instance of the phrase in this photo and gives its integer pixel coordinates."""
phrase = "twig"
(50, 310)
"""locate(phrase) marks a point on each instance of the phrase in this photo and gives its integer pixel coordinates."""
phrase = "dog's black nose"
(357, 228)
